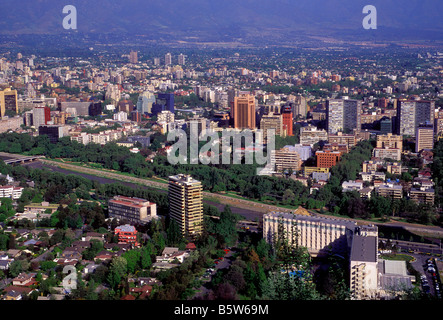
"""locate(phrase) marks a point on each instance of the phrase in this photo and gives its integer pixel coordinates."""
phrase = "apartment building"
(422, 195)
(411, 113)
(274, 122)
(389, 190)
(343, 115)
(364, 267)
(341, 138)
(286, 158)
(126, 234)
(133, 210)
(387, 153)
(391, 141)
(318, 234)
(424, 137)
(327, 159)
(310, 135)
(11, 192)
(185, 204)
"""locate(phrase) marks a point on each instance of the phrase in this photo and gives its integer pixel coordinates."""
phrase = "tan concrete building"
(186, 204)
(285, 159)
(424, 138)
(271, 121)
(340, 138)
(389, 140)
(310, 135)
(318, 234)
(387, 153)
(133, 210)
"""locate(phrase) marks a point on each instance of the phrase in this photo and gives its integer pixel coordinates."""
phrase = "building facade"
(132, 210)
(186, 204)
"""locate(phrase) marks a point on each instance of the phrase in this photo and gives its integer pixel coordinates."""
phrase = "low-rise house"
(141, 292)
(24, 279)
(104, 255)
(5, 262)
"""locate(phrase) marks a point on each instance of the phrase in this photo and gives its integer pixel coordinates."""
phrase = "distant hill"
(226, 20)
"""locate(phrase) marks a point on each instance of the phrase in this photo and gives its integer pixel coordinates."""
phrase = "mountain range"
(229, 20)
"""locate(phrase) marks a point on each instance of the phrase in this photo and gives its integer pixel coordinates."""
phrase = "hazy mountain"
(228, 20)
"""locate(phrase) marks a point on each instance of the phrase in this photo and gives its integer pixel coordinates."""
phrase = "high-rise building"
(156, 61)
(343, 115)
(133, 57)
(40, 116)
(8, 101)
(410, 114)
(145, 102)
(299, 106)
(185, 204)
(181, 59)
(287, 120)
(271, 121)
(164, 101)
(424, 137)
(168, 59)
(385, 126)
(244, 112)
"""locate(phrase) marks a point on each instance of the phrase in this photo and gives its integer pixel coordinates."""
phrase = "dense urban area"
(348, 207)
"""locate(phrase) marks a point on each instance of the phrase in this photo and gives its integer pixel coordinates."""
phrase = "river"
(245, 213)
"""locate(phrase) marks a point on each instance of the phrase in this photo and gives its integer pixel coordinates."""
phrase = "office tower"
(131, 209)
(271, 121)
(181, 59)
(145, 102)
(40, 116)
(156, 61)
(186, 204)
(164, 101)
(287, 120)
(385, 126)
(133, 57)
(244, 112)
(54, 132)
(8, 101)
(343, 115)
(410, 114)
(424, 137)
(168, 59)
